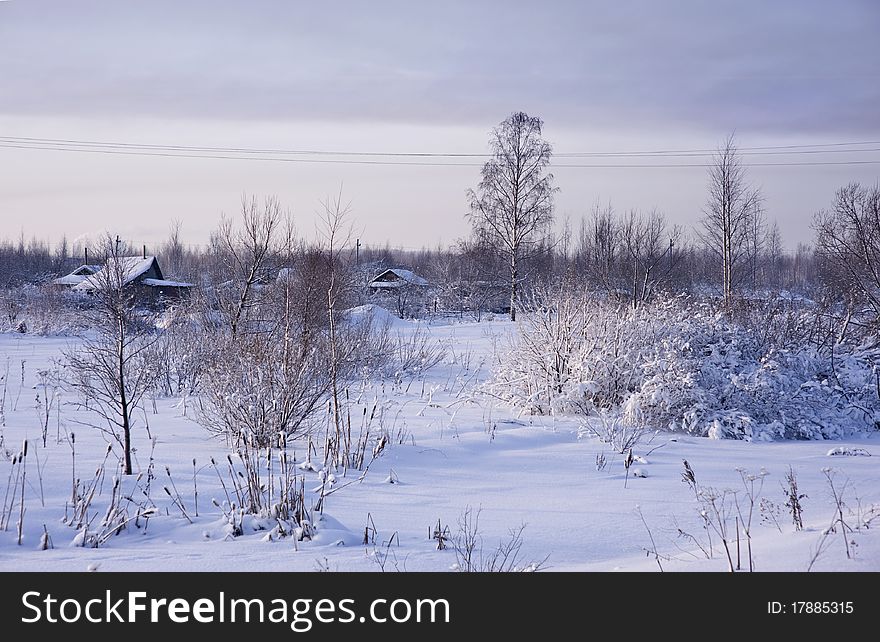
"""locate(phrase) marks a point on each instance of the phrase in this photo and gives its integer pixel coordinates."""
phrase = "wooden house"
(140, 273)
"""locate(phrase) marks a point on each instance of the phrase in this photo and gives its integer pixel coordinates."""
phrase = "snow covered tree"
(513, 204)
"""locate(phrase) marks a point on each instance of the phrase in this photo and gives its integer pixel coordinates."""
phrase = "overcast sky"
(421, 77)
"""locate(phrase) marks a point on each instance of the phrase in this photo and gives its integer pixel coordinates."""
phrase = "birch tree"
(513, 204)
(729, 215)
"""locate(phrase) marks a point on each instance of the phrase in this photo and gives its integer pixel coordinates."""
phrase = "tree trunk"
(727, 252)
(635, 288)
(513, 286)
(333, 376)
(123, 406)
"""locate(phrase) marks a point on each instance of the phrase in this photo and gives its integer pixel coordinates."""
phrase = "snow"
(682, 366)
(70, 279)
(848, 452)
(452, 448)
(378, 315)
(165, 283)
(77, 276)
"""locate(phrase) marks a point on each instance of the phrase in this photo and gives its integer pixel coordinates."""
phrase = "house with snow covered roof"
(395, 278)
(140, 273)
(402, 290)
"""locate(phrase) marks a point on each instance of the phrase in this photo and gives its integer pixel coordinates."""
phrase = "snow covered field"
(451, 449)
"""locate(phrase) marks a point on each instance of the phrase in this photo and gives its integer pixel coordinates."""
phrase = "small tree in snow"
(111, 370)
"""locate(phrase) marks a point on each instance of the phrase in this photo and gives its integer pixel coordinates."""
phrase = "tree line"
(517, 243)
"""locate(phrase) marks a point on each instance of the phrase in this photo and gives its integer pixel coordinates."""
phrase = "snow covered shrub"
(537, 371)
(395, 347)
(415, 352)
(614, 430)
(12, 302)
(42, 310)
(257, 389)
(681, 365)
(264, 386)
(182, 352)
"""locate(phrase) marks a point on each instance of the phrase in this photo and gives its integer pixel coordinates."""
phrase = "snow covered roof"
(86, 270)
(165, 283)
(397, 277)
(69, 279)
(132, 267)
(79, 275)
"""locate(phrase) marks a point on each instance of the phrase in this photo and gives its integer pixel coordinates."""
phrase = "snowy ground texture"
(460, 450)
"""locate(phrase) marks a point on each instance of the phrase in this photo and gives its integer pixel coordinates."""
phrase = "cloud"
(784, 66)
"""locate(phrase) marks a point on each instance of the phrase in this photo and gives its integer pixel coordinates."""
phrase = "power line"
(672, 165)
(816, 148)
(237, 150)
(709, 154)
(343, 161)
(134, 151)
(776, 149)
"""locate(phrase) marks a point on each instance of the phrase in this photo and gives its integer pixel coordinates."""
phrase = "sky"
(416, 77)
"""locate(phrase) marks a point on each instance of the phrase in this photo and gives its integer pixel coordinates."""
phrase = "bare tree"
(803, 268)
(755, 244)
(773, 254)
(173, 250)
(651, 253)
(111, 370)
(467, 281)
(848, 239)
(729, 216)
(598, 247)
(335, 233)
(513, 204)
(262, 386)
(246, 254)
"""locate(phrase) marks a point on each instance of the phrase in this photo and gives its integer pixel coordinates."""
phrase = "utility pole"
(357, 252)
(117, 244)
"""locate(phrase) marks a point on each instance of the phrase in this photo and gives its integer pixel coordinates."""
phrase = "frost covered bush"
(44, 310)
(615, 431)
(408, 350)
(258, 390)
(681, 365)
(262, 387)
(186, 347)
(415, 352)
